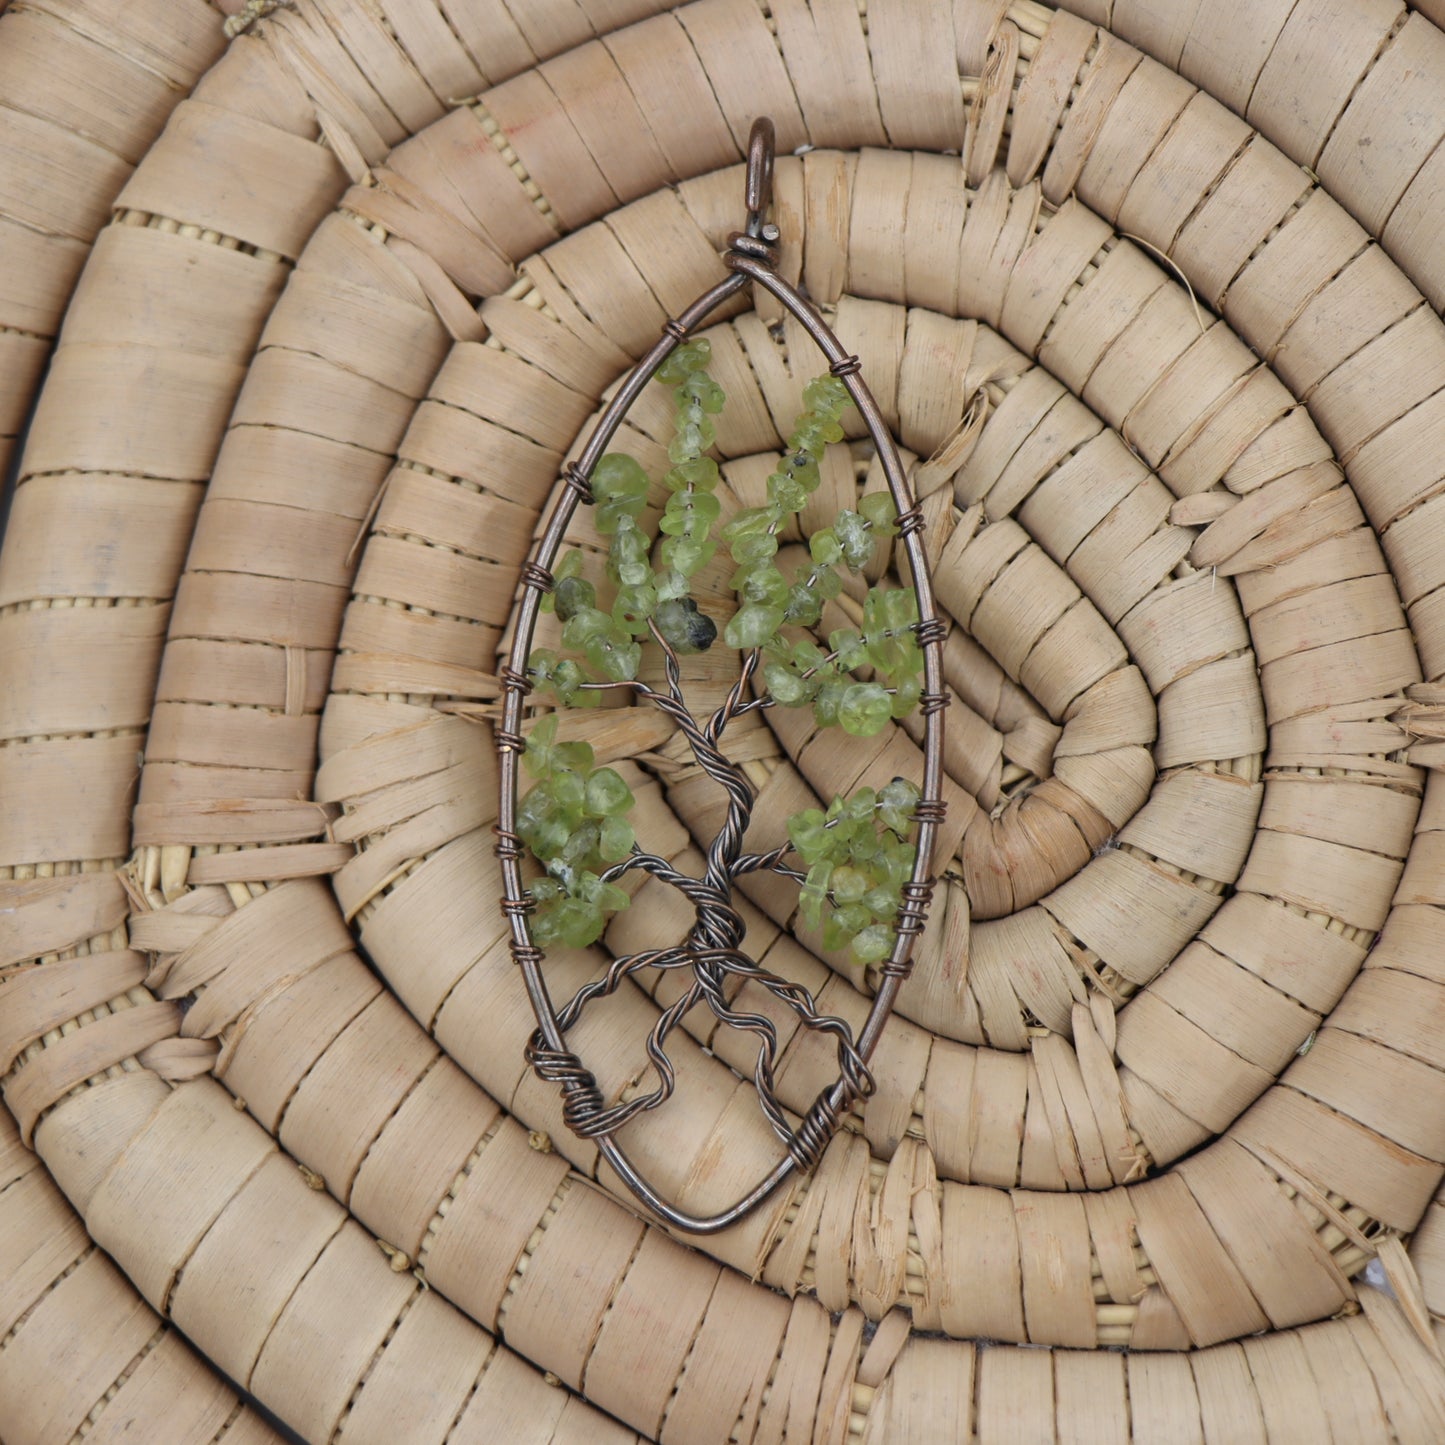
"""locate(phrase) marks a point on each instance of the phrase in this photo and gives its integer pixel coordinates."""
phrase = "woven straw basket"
(1150, 293)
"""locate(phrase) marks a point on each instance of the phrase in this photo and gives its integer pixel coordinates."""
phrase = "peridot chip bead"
(827, 395)
(753, 626)
(864, 709)
(879, 512)
(607, 793)
(691, 356)
(873, 944)
(683, 627)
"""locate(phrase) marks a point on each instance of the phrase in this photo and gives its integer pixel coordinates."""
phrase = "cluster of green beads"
(619, 484)
(609, 640)
(856, 853)
(800, 673)
(858, 858)
(797, 673)
(574, 821)
(692, 508)
(767, 600)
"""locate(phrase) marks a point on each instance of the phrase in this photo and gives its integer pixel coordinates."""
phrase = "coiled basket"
(304, 306)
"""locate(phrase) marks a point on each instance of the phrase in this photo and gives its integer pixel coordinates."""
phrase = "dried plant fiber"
(302, 307)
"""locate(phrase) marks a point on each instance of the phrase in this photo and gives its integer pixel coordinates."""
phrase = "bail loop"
(759, 193)
(759, 238)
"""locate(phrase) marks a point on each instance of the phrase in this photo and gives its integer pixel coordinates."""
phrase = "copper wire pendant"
(711, 953)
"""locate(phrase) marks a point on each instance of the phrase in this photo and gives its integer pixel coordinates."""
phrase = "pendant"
(865, 863)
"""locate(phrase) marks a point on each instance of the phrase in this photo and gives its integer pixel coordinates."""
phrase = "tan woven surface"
(1148, 292)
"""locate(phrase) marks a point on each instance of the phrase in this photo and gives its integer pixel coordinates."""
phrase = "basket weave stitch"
(1150, 292)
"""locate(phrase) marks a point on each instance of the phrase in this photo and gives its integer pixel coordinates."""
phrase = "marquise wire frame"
(711, 951)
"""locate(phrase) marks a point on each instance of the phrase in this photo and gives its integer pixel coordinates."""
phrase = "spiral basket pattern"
(302, 309)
